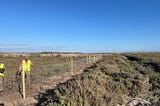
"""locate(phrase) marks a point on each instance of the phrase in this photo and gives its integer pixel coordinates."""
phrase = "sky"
(79, 25)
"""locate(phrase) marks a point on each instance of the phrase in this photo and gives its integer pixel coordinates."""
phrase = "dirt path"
(36, 89)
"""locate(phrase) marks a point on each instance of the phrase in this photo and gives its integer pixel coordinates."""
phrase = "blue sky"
(79, 25)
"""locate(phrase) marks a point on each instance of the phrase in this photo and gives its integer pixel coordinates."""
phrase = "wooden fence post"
(87, 60)
(94, 58)
(72, 65)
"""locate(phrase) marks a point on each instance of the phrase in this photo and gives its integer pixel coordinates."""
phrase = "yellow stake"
(23, 83)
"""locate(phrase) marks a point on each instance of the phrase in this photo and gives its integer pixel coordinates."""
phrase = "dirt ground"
(42, 82)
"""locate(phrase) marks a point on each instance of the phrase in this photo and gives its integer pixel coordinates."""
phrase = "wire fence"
(45, 67)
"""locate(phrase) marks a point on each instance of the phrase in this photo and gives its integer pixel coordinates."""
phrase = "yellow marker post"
(23, 83)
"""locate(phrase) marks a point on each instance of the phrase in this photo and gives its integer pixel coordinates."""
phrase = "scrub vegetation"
(131, 79)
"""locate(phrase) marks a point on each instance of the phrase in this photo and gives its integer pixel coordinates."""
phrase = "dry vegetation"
(45, 66)
(116, 80)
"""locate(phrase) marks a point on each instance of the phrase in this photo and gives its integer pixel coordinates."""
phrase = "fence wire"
(45, 67)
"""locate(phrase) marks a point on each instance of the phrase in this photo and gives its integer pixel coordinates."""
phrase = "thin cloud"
(29, 48)
(6, 46)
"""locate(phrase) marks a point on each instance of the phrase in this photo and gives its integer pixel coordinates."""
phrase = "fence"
(44, 67)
